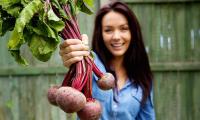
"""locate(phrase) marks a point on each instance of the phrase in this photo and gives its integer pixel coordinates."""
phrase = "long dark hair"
(136, 60)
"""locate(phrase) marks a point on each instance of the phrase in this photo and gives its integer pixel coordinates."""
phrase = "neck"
(117, 64)
(118, 67)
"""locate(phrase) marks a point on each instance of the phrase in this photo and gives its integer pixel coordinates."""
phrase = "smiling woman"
(118, 48)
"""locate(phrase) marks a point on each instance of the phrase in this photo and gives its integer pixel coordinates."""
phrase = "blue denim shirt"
(128, 105)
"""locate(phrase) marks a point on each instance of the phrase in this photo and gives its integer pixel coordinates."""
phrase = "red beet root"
(70, 100)
(106, 82)
(52, 94)
(91, 111)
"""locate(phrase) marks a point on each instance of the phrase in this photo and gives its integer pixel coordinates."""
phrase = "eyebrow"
(120, 25)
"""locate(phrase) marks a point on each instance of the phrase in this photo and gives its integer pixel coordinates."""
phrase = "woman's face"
(116, 33)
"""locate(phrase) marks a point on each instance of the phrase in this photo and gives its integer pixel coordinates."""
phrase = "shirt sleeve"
(147, 111)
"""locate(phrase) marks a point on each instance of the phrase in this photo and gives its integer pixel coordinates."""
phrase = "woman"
(118, 46)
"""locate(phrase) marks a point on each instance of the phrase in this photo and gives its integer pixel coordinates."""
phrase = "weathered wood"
(171, 30)
(24, 98)
(174, 93)
(171, 37)
(57, 70)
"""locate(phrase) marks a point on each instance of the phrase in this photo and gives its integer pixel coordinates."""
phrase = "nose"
(116, 35)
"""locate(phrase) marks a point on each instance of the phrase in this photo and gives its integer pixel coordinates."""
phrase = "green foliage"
(84, 6)
(35, 22)
(7, 22)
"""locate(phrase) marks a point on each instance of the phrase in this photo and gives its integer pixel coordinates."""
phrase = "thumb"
(84, 39)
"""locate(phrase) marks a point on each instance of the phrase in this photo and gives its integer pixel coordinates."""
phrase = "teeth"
(117, 44)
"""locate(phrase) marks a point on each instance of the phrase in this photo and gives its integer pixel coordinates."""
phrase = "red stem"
(68, 77)
(79, 75)
(95, 69)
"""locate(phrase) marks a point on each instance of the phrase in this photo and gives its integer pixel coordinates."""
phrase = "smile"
(117, 44)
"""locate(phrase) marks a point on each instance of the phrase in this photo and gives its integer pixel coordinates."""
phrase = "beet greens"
(39, 24)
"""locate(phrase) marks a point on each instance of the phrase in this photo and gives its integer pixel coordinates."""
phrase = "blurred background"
(171, 30)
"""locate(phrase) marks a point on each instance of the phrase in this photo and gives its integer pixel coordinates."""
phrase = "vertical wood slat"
(193, 32)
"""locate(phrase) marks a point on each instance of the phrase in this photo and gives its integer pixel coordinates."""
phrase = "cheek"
(128, 38)
(106, 39)
(106, 43)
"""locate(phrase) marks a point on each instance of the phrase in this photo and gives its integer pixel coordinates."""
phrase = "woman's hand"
(73, 50)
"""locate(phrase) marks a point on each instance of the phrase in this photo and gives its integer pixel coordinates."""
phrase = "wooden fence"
(171, 30)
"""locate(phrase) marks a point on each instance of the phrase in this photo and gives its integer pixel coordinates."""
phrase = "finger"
(73, 60)
(72, 52)
(84, 39)
(72, 48)
(75, 54)
(69, 42)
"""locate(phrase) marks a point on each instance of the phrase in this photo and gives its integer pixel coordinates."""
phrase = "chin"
(118, 54)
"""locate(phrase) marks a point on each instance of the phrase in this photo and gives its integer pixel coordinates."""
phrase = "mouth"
(117, 45)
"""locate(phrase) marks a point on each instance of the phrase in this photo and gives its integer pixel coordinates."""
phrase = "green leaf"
(25, 2)
(7, 22)
(83, 7)
(25, 16)
(51, 16)
(59, 9)
(63, 2)
(92, 54)
(37, 25)
(54, 22)
(14, 10)
(13, 7)
(9, 2)
(57, 26)
(42, 39)
(41, 28)
(18, 58)
(89, 2)
(49, 27)
(72, 7)
(42, 47)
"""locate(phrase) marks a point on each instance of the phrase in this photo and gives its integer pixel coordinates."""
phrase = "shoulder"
(98, 62)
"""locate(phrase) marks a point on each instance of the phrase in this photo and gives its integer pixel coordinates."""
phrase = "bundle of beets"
(75, 92)
(38, 24)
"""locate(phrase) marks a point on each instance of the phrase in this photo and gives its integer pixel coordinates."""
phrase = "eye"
(125, 28)
(108, 30)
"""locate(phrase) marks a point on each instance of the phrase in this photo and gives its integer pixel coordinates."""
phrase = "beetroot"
(91, 111)
(77, 84)
(52, 94)
(70, 100)
(106, 82)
